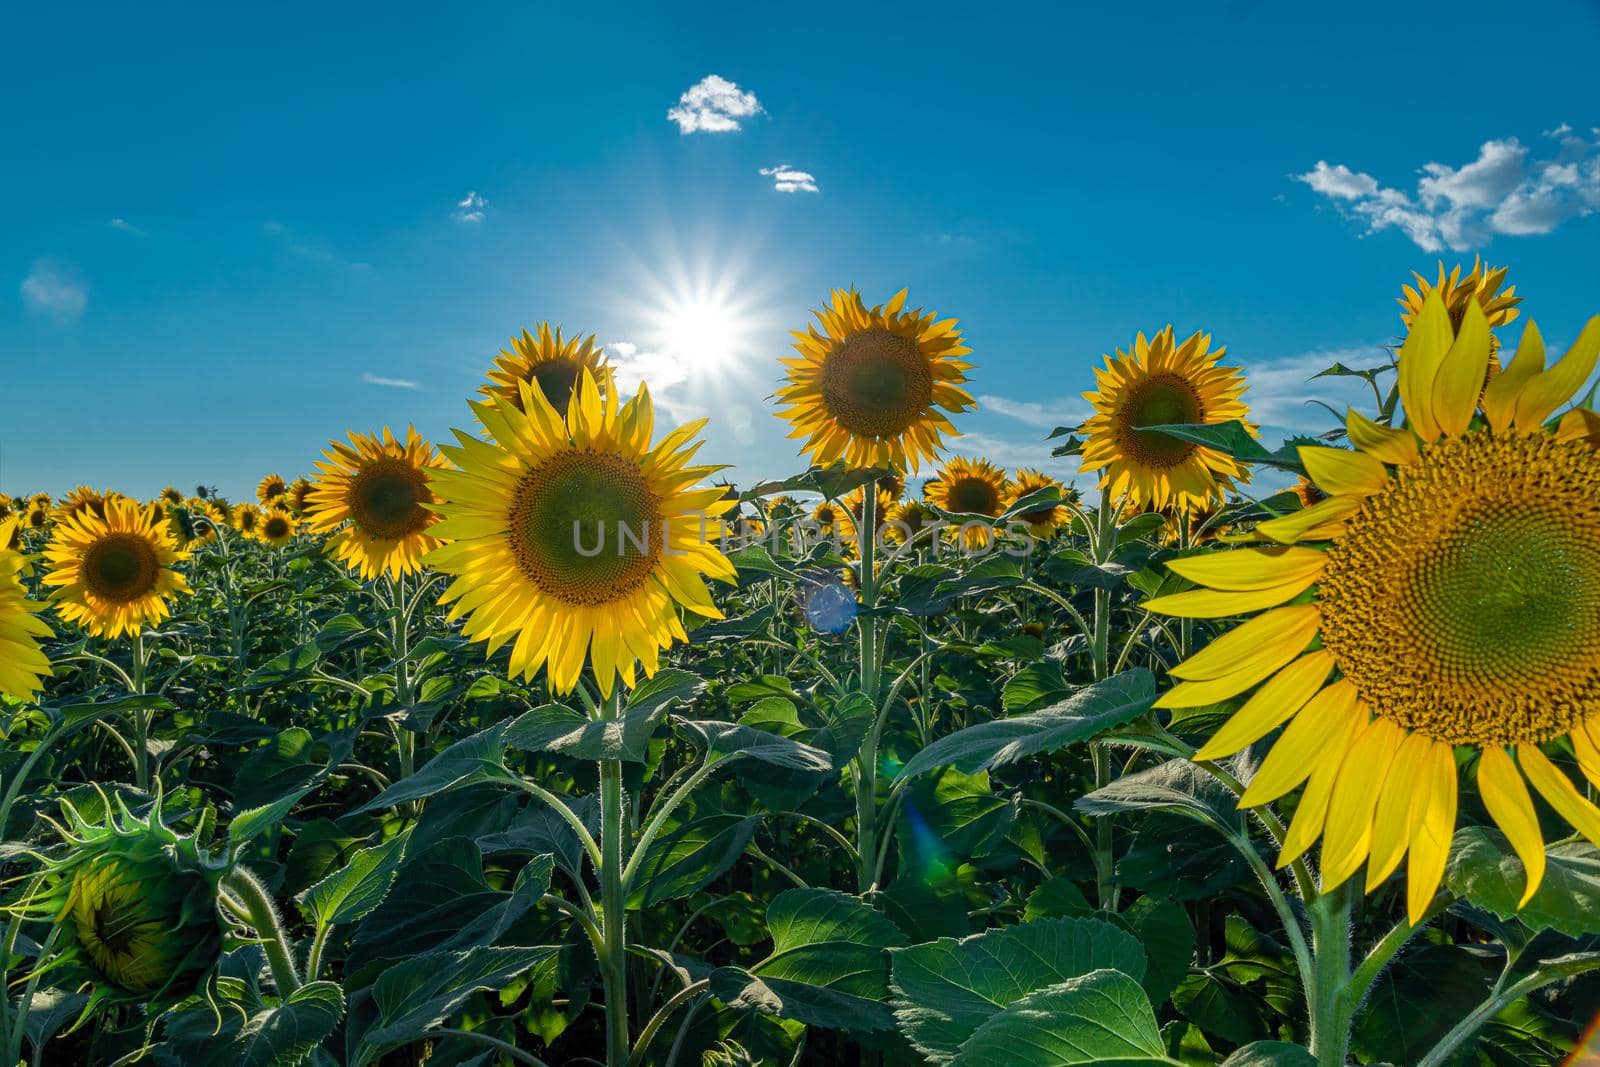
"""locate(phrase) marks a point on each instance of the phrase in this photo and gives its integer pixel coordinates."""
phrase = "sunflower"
(1445, 596)
(969, 487)
(1044, 521)
(382, 488)
(575, 536)
(37, 517)
(8, 506)
(1481, 286)
(22, 665)
(270, 489)
(219, 511)
(278, 527)
(827, 515)
(907, 519)
(868, 387)
(1159, 382)
(298, 495)
(173, 496)
(80, 500)
(550, 362)
(114, 572)
(247, 520)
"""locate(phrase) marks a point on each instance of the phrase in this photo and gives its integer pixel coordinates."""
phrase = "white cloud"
(1502, 191)
(124, 226)
(713, 105)
(1062, 412)
(786, 179)
(661, 371)
(393, 383)
(1282, 391)
(53, 289)
(470, 208)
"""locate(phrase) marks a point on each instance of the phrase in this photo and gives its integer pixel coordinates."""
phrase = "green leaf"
(1271, 1054)
(557, 728)
(422, 992)
(700, 841)
(1083, 715)
(945, 990)
(283, 1035)
(1416, 1001)
(667, 688)
(1053, 898)
(1484, 870)
(351, 892)
(723, 740)
(475, 758)
(1217, 1009)
(952, 813)
(437, 893)
(250, 824)
(1233, 439)
(1176, 786)
(828, 966)
(1102, 1017)
(729, 629)
(1168, 938)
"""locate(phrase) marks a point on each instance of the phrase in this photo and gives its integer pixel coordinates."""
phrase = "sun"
(703, 330)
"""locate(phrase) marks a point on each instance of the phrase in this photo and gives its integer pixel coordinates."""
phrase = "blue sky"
(226, 236)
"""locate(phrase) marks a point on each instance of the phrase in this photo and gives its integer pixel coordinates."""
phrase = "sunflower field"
(547, 745)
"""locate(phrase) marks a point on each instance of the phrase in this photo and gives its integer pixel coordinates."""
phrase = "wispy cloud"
(661, 371)
(391, 383)
(53, 289)
(470, 208)
(1506, 190)
(122, 225)
(1063, 412)
(1283, 391)
(713, 105)
(1014, 452)
(786, 179)
(310, 247)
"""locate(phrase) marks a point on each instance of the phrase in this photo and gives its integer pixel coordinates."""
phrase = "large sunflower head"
(1445, 595)
(270, 489)
(1046, 520)
(551, 363)
(1160, 382)
(1482, 286)
(137, 905)
(373, 496)
(114, 573)
(22, 665)
(969, 487)
(872, 385)
(576, 537)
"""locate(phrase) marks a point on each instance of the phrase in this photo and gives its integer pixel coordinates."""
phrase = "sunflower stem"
(262, 916)
(1103, 545)
(866, 768)
(613, 902)
(1331, 1009)
(141, 717)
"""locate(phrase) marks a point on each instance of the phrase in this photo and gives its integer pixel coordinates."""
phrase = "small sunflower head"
(299, 496)
(136, 903)
(550, 362)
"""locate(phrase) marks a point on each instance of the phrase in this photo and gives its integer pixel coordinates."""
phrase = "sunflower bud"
(136, 904)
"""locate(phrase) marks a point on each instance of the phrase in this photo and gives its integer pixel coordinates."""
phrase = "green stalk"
(1330, 950)
(141, 718)
(1103, 547)
(866, 768)
(613, 903)
(262, 916)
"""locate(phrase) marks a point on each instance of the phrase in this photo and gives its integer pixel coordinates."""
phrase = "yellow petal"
(1580, 424)
(1290, 528)
(1347, 833)
(1244, 569)
(1312, 811)
(1420, 356)
(1326, 723)
(1562, 795)
(1209, 604)
(1272, 705)
(1399, 807)
(1549, 390)
(1430, 839)
(1390, 445)
(1249, 643)
(1500, 785)
(1588, 753)
(1265, 660)
(1461, 375)
(1500, 395)
(1342, 471)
